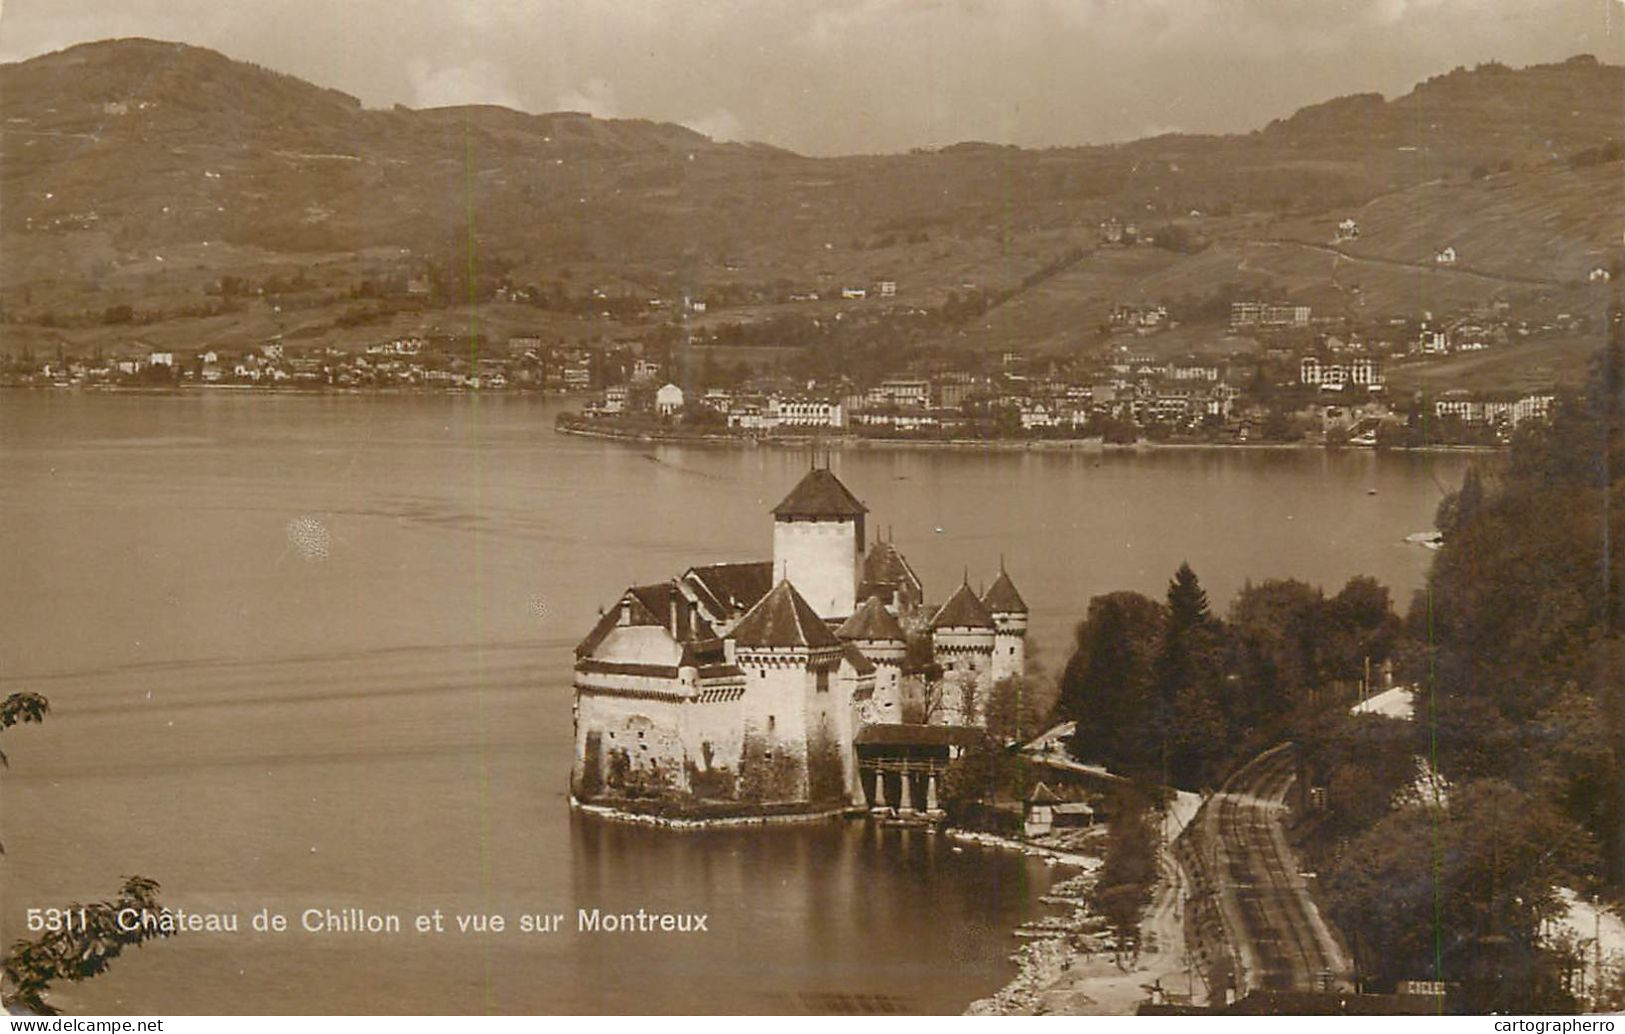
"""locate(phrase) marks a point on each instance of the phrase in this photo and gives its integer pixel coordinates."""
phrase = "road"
(1277, 934)
(1419, 267)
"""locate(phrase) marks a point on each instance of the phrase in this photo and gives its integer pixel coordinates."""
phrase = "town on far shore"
(868, 362)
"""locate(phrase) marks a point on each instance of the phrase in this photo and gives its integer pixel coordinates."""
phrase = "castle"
(785, 682)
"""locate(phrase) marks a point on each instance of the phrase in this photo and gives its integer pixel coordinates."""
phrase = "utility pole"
(1596, 918)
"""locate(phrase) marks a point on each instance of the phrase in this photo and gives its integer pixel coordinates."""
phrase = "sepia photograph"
(860, 508)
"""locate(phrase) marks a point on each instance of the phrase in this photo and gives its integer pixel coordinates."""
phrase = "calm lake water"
(310, 651)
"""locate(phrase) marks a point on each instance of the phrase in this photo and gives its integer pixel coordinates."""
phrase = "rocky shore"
(1052, 946)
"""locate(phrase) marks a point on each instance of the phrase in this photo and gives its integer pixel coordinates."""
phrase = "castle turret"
(888, 575)
(879, 637)
(1009, 613)
(795, 718)
(818, 543)
(962, 637)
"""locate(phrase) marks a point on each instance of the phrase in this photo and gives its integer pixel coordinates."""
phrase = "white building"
(789, 411)
(669, 400)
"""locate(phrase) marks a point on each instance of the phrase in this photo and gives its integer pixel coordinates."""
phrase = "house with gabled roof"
(742, 686)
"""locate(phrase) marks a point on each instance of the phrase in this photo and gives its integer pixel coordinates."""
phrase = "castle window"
(823, 680)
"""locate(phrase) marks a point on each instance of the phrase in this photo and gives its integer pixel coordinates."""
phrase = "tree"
(1459, 894)
(1012, 713)
(1360, 627)
(1187, 601)
(985, 772)
(1108, 686)
(1129, 870)
(1276, 635)
(83, 948)
(1460, 506)
(1190, 670)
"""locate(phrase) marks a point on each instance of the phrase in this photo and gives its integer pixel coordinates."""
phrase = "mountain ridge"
(247, 170)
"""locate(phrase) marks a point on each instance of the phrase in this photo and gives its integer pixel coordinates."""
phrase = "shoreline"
(1090, 445)
(610, 813)
(1049, 854)
(1065, 968)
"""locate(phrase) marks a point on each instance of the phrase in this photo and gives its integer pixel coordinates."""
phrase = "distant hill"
(118, 157)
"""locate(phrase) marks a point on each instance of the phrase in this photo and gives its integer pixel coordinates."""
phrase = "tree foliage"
(1169, 693)
(80, 949)
(1129, 871)
(1108, 685)
(1013, 714)
(1459, 893)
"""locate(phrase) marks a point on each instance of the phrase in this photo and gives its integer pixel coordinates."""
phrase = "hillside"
(138, 172)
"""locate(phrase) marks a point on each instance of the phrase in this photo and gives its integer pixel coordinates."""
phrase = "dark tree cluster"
(1169, 692)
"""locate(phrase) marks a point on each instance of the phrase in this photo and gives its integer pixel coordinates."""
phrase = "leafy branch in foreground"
(19, 708)
(88, 939)
(85, 938)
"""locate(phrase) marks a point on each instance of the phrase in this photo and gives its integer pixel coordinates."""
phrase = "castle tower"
(878, 636)
(796, 736)
(888, 575)
(962, 639)
(818, 543)
(1009, 613)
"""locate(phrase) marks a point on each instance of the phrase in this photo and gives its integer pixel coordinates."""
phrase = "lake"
(313, 651)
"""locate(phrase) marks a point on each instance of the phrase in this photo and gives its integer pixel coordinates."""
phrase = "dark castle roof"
(731, 588)
(663, 604)
(820, 494)
(1002, 597)
(871, 621)
(899, 735)
(884, 565)
(963, 610)
(783, 618)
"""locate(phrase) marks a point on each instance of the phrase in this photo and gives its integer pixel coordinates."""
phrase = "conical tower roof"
(963, 610)
(1002, 597)
(872, 621)
(820, 494)
(783, 618)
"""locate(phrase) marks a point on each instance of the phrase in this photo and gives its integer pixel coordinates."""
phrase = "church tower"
(818, 543)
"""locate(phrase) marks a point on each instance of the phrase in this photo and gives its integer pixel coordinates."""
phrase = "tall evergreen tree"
(1108, 687)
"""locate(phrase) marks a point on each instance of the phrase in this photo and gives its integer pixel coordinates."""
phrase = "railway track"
(1279, 939)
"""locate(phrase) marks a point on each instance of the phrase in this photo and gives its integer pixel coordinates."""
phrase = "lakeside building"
(755, 684)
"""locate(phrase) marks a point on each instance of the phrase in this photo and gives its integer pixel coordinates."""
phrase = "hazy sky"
(842, 76)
